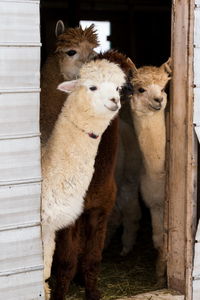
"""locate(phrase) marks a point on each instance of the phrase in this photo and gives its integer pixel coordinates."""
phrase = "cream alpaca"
(68, 158)
(147, 104)
(146, 139)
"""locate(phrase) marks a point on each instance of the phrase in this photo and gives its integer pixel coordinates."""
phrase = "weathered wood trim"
(181, 194)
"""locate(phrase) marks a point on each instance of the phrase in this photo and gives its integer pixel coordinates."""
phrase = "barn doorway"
(141, 30)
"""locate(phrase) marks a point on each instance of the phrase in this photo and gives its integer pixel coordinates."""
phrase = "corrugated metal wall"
(196, 269)
(197, 69)
(21, 263)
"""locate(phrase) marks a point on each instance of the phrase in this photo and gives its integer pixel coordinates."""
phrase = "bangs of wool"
(74, 36)
(150, 75)
(118, 58)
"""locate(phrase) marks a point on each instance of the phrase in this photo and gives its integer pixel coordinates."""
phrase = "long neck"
(151, 133)
(78, 109)
(72, 127)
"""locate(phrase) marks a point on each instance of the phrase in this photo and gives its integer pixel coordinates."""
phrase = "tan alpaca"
(147, 105)
(69, 155)
(142, 151)
(74, 47)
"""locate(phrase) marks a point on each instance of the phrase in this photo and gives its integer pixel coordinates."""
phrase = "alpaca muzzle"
(114, 105)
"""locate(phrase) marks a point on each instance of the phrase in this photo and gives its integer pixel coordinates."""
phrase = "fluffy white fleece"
(68, 158)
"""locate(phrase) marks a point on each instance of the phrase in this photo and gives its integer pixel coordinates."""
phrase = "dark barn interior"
(142, 30)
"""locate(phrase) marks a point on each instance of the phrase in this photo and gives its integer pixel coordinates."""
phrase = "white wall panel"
(21, 257)
(196, 27)
(196, 66)
(20, 249)
(196, 268)
(23, 286)
(20, 204)
(196, 117)
(196, 290)
(19, 68)
(19, 159)
(19, 22)
(19, 114)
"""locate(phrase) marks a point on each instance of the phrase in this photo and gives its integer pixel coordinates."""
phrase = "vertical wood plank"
(182, 152)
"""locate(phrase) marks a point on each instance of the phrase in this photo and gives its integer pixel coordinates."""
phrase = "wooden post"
(181, 189)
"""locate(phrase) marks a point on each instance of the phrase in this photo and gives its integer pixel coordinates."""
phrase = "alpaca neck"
(82, 115)
(76, 123)
(151, 133)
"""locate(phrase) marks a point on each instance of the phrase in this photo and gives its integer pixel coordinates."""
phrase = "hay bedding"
(157, 295)
(123, 277)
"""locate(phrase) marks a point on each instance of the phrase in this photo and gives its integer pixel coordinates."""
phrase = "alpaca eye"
(93, 88)
(71, 52)
(141, 90)
(117, 89)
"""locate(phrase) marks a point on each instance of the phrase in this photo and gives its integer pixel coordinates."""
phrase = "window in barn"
(103, 31)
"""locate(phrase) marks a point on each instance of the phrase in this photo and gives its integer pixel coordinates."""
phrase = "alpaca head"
(74, 47)
(149, 88)
(97, 91)
(126, 65)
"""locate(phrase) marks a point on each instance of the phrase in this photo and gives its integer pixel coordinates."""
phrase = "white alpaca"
(147, 104)
(68, 157)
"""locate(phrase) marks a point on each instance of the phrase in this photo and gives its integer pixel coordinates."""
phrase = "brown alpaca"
(73, 48)
(79, 247)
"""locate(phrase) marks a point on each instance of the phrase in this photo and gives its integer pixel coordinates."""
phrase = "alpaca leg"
(113, 223)
(48, 236)
(158, 240)
(131, 216)
(96, 228)
(65, 260)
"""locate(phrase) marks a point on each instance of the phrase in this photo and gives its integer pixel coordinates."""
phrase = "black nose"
(126, 92)
(113, 100)
(158, 100)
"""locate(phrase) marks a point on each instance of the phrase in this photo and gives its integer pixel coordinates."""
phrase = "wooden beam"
(181, 190)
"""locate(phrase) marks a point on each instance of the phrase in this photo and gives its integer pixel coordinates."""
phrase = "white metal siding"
(21, 259)
(20, 245)
(20, 204)
(16, 27)
(19, 68)
(19, 114)
(196, 268)
(196, 120)
(19, 160)
(197, 69)
(22, 286)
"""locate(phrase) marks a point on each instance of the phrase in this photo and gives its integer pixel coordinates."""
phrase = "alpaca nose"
(158, 100)
(114, 100)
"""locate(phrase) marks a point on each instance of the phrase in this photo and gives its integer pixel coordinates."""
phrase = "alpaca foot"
(47, 291)
(92, 295)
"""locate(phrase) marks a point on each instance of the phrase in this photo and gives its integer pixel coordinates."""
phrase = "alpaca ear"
(132, 66)
(67, 86)
(60, 28)
(167, 66)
